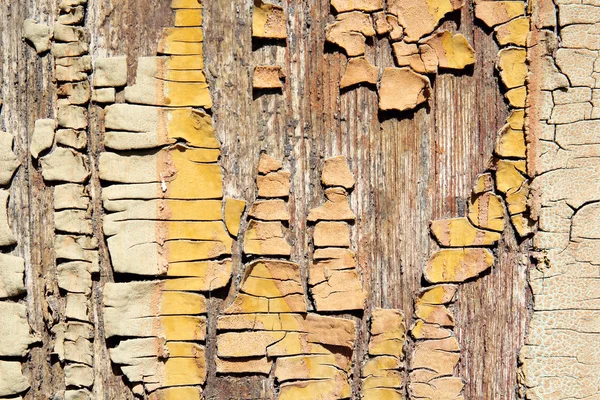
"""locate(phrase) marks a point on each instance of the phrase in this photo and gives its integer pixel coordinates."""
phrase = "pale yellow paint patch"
(188, 17)
(511, 143)
(453, 51)
(509, 175)
(234, 209)
(194, 126)
(268, 21)
(512, 64)
(513, 32)
(176, 4)
(182, 303)
(487, 212)
(517, 97)
(177, 393)
(183, 327)
(483, 183)
(184, 76)
(494, 13)
(184, 371)
(183, 62)
(458, 232)
(457, 265)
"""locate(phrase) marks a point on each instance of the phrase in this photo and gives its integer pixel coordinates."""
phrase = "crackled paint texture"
(325, 199)
(561, 344)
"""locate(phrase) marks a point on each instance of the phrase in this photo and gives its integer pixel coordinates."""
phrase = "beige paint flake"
(76, 248)
(359, 70)
(76, 93)
(140, 247)
(402, 89)
(457, 265)
(131, 127)
(270, 210)
(268, 77)
(163, 210)
(331, 234)
(420, 17)
(336, 208)
(104, 95)
(65, 165)
(397, 31)
(423, 330)
(75, 277)
(435, 314)
(8, 160)
(151, 88)
(79, 375)
(7, 238)
(158, 364)
(248, 366)
(274, 184)
(356, 5)
(43, 136)
(382, 373)
(268, 164)
(453, 51)
(110, 72)
(328, 260)
(37, 34)
(14, 330)
(12, 270)
(493, 13)
(12, 380)
(381, 24)
(268, 21)
(66, 33)
(303, 367)
(437, 294)
(75, 49)
(328, 389)
(341, 290)
(266, 238)
(336, 172)
(422, 59)
(75, 139)
(388, 333)
(70, 116)
(77, 307)
(350, 31)
(71, 196)
(72, 15)
(73, 69)
(73, 221)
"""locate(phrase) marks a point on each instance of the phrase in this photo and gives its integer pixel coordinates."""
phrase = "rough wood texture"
(410, 168)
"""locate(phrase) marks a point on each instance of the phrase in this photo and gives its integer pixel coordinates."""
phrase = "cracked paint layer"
(419, 48)
(560, 349)
(266, 327)
(166, 219)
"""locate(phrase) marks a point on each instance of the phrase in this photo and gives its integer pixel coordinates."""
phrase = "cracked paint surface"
(560, 352)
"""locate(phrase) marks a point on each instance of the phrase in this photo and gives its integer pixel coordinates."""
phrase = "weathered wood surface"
(410, 168)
